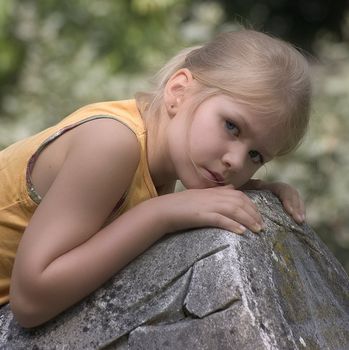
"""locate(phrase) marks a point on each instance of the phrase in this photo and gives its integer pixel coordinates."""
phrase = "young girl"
(81, 199)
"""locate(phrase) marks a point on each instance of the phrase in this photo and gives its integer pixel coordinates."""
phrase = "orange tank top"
(18, 199)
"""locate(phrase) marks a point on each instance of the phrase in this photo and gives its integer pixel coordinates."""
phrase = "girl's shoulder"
(107, 144)
(105, 132)
(106, 141)
(102, 145)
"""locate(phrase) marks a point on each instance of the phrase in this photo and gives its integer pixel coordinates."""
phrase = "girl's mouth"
(216, 177)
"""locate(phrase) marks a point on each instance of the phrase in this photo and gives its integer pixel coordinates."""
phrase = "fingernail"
(301, 218)
(257, 227)
(241, 229)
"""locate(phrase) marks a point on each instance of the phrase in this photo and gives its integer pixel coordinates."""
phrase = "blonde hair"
(267, 74)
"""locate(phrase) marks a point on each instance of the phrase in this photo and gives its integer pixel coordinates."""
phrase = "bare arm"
(56, 246)
(64, 254)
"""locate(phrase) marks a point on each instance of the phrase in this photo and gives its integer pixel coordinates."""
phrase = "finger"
(298, 207)
(225, 223)
(295, 210)
(238, 198)
(242, 216)
(239, 207)
(250, 208)
(300, 211)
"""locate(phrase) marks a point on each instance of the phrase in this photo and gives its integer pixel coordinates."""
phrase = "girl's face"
(221, 143)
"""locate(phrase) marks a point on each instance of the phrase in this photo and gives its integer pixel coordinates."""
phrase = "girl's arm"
(56, 262)
(288, 195)
(65, 254)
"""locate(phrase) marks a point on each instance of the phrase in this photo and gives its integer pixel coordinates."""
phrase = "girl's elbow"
(25, 315)
(27, 312)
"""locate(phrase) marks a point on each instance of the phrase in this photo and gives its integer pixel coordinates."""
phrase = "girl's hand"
(222, 207)
(289, 197)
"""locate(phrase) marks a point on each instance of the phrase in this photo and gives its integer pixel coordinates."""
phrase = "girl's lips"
(216, 177)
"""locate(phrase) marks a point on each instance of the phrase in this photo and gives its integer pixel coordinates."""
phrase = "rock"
(210, 289)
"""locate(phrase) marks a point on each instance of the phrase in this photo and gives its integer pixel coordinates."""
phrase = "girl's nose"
(234, 161)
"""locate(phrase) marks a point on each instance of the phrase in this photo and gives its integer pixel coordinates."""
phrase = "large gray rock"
(210, 289)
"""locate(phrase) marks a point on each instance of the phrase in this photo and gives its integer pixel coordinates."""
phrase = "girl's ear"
(175, 90)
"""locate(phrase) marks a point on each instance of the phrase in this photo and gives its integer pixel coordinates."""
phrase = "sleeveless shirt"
(18, 199)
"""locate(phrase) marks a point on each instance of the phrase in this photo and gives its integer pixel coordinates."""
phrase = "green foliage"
(11, 50)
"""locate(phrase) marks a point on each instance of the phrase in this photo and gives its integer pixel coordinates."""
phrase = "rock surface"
(210, 289)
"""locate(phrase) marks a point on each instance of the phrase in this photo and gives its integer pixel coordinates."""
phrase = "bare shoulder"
(105, 135)
(108, 150)
(102, 158)
(98, 168)
(100, 139)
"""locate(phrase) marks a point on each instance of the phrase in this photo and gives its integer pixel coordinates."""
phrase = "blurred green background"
(57, 55)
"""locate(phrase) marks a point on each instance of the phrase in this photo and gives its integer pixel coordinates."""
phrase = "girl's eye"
(232, 128)
(256, 157)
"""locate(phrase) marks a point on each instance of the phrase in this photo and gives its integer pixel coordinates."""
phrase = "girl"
(83, 198)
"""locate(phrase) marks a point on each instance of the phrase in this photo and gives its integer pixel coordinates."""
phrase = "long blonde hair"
(267, 74)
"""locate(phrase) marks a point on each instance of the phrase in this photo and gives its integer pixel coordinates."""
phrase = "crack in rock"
(212, 286)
